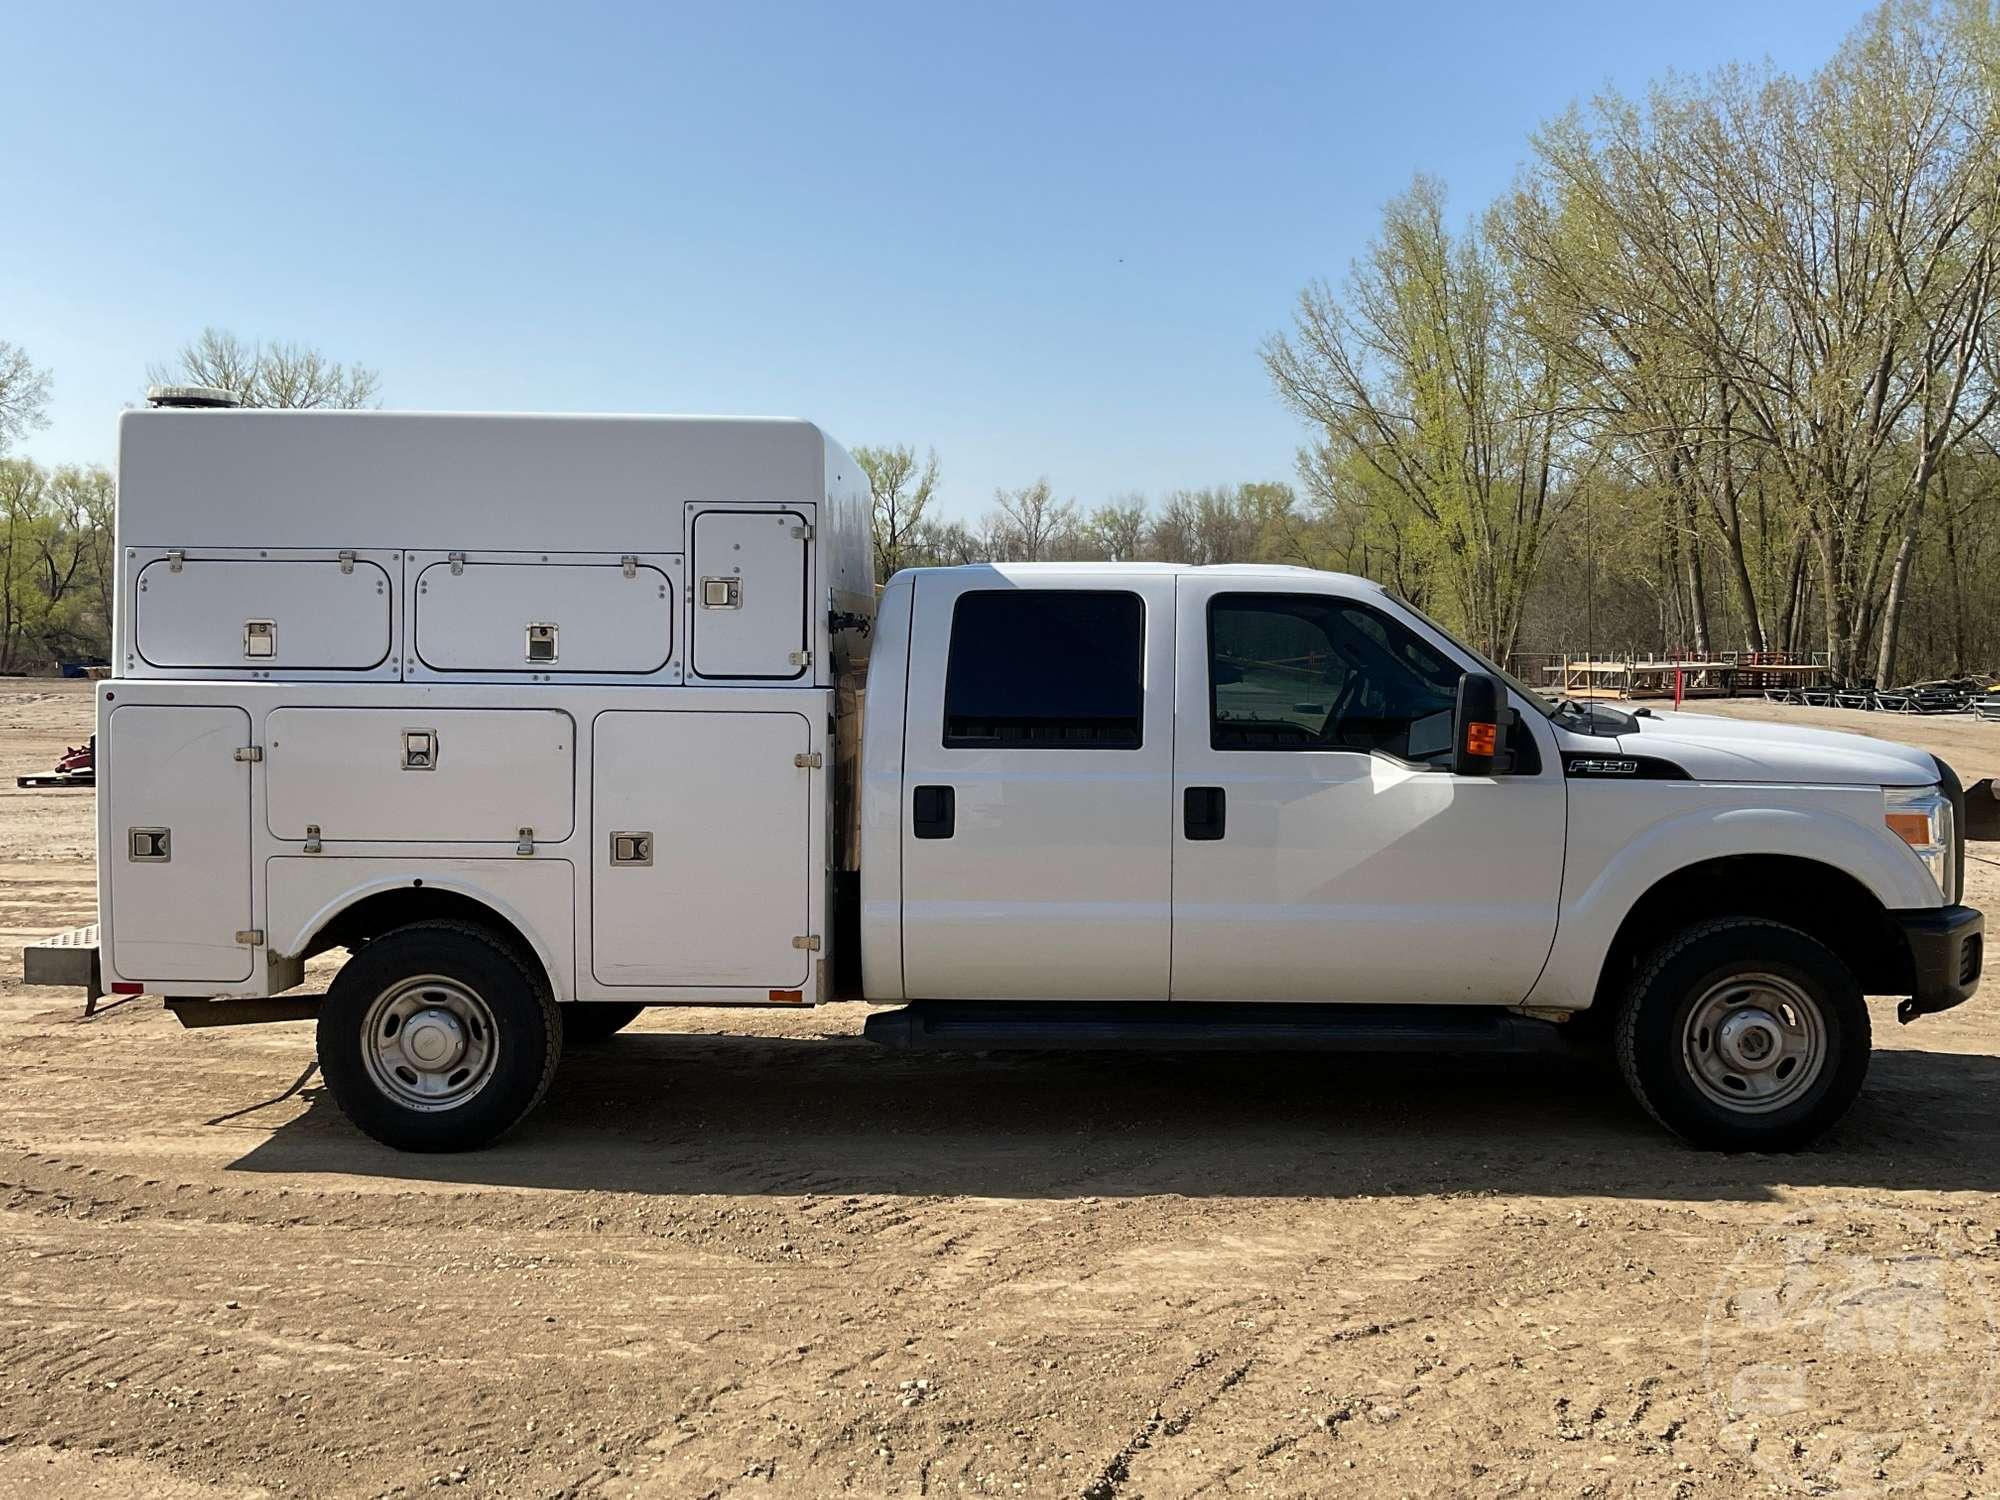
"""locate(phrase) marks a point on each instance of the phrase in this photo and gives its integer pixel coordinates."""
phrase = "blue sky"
(1043, 239)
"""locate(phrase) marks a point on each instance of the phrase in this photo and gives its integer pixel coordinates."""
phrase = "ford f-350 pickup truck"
(547, 719)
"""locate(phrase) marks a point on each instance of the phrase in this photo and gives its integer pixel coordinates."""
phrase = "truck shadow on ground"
(687, 1114)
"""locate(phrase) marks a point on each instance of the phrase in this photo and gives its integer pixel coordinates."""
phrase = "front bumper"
(1946, 949)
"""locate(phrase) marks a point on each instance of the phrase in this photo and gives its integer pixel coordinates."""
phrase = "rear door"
(1037, 777)
(178, 805)
(1323, 851)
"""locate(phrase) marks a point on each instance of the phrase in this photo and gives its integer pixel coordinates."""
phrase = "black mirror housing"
(1475, 725)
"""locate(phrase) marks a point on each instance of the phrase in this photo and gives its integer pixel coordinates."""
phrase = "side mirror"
(1475, 725)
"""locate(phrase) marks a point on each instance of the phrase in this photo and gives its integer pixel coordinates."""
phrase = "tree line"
(1720, 372)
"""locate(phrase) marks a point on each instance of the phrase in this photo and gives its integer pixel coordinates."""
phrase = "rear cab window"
(1046, 669)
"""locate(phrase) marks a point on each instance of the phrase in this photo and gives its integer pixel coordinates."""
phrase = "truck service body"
(546, 718)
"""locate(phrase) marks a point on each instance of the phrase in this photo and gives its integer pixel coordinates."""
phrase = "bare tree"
(1031, 525)
(903, 490)
(24, 395)
(275, 375)
(1116, 530)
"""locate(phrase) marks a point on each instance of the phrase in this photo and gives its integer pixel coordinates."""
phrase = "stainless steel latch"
(149, 846)
(420, 749)
(260, 639)
(722, 593)
(541, 647)
(633, 846)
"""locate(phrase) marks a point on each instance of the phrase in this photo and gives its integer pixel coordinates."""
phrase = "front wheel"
(438, 1036)
(1744, 1035)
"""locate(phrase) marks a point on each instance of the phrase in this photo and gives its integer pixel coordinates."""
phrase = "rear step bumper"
(1190, 1026)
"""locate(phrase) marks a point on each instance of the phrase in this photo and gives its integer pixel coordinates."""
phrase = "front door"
(1037, 783)
(1322, 850)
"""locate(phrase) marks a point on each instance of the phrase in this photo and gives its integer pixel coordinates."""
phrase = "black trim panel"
(1592, 766)
(1947, 948)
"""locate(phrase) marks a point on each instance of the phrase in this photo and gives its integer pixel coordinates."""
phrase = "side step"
(1038, 1025)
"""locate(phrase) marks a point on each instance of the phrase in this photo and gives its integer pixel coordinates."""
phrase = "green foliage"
(56, 564)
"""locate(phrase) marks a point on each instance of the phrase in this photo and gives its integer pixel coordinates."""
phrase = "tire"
(587, 1023)
(457, 995)
(1744, 1035)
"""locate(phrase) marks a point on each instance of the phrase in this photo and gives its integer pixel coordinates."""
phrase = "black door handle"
(934, 812)
(1204, 811)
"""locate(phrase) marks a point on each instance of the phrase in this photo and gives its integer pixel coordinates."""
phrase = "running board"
(1194, 1026)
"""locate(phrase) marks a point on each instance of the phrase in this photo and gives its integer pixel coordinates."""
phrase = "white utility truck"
(545, 719)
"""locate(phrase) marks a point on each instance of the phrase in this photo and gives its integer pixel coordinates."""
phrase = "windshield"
(1549, 707)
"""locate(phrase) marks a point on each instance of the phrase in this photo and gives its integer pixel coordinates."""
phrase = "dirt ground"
(781, 1261)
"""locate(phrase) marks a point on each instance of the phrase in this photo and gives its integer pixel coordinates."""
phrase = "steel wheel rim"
(1754, 1043)
(429, 1043)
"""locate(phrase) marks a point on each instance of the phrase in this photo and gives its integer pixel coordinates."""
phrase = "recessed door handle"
(1204, 812)
(934, 812)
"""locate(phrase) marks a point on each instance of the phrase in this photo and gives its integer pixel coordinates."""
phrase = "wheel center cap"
(1750, 1040)
(433, 1039)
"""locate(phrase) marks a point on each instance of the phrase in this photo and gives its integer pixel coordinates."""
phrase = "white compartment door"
(747, 579)
(178, 804)
(543, 617)
(721, 885)
(434, 775)
(259, 614)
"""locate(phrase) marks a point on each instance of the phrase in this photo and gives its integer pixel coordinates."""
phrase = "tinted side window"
(1052, 669)
(1307, 672)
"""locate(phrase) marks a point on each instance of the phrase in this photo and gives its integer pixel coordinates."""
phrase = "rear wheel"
(438, 1036)
(1744, 1035)
(587, 1022)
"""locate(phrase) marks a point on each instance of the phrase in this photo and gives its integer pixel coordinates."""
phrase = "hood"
(1710, 748)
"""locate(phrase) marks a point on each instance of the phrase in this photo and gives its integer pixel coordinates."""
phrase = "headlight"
(1921, 818)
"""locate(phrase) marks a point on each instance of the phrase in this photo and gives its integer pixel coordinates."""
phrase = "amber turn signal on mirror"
(1481, 739)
